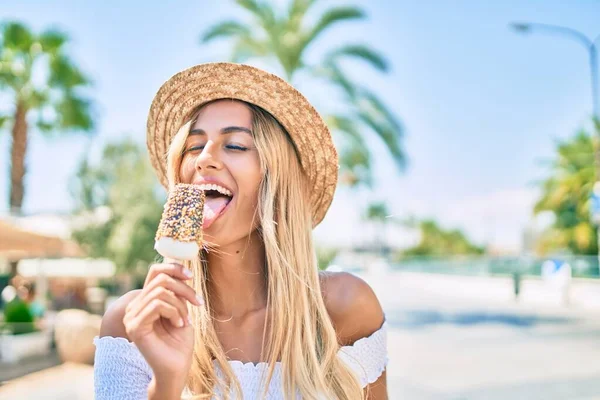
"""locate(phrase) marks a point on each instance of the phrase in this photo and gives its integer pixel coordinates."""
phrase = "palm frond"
(226, 29)
(262, 11)
(355, 163)
(248, 47)
(566, 193)
(381, 108)
(10, 80)
(52, 40)
(290, 57)
(334, 74)
(355, 157)
(74, 112)
(44, 126)
(360, 52)
(64, 74)
(376, 119)
(331, 17)
(37, 98)
(347, 126)
(16, 36)
(274, 29)
(288, 37)
(297, 12)
(3, 121)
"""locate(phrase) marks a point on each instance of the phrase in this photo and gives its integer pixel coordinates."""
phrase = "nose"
(209, 157)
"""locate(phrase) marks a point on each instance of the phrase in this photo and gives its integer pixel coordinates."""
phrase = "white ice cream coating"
(170, 248)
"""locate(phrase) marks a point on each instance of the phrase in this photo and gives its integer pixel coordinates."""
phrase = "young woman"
(252, 317)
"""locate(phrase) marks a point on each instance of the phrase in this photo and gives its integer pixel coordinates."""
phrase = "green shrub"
(17, 317)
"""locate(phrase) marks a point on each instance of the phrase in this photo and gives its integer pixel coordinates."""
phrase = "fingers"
(176, 271)
(164, 297)
(176, 286)
(148, 315)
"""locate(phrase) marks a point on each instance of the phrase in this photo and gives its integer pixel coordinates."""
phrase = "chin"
(224, 238)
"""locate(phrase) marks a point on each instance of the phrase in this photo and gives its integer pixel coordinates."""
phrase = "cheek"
(186, 170)
(248, 180)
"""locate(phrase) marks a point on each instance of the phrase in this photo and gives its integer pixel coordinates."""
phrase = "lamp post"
(591, 47)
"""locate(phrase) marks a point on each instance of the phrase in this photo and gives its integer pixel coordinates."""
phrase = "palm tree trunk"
(17, 166)
(17, 158)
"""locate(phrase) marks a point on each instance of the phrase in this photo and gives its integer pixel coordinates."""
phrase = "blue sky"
(481, 105)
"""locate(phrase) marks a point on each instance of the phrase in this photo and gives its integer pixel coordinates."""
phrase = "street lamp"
(589, 44)
(591, 47)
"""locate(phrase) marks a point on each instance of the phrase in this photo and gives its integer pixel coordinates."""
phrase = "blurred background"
(468, 136)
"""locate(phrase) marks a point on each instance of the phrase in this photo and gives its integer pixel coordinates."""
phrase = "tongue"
(212, 209)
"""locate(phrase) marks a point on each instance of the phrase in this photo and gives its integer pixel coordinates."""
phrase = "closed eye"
(229, 146)
(236, 147)
(193, 149)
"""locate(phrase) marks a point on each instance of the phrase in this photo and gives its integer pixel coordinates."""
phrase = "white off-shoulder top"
(121, 372)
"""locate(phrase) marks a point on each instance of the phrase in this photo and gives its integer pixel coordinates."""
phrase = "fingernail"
(189, 318)
(180, 323)
(188, 273)
(199, 299)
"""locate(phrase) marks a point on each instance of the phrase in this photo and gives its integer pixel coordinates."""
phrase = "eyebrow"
(223, 131)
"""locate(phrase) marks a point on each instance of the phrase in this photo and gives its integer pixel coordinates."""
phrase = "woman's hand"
(157, 322)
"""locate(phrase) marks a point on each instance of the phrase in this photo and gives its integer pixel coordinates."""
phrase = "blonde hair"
(301, 334)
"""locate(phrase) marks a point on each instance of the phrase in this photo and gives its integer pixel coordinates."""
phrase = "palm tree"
(377, 213)
(44, 85)
(285, 38)
(566, 193)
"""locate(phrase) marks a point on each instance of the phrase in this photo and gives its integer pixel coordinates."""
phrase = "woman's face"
(220, 150)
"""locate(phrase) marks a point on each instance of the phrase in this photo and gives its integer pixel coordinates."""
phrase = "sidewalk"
(10, 371)
(64, 382)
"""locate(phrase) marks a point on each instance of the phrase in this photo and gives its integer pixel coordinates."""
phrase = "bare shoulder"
(112, 321)
(352, 306)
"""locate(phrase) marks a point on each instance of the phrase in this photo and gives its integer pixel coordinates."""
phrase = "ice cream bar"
(179, 234)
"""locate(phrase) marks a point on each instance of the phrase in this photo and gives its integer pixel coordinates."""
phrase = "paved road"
(445, 346)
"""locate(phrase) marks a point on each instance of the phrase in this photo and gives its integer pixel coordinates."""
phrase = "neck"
(236, 278)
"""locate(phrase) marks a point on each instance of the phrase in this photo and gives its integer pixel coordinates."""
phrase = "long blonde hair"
(301, 334)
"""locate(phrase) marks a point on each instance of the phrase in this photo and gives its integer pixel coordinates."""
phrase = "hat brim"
(183, 93)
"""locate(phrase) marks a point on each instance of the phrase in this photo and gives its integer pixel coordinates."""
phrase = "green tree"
(325, 255)
(566, 193)
(377, 211)
(44, 86)
(123, 181)
(286, 38)
(436, 241)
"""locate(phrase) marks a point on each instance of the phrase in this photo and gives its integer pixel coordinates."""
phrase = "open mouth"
(217, 200)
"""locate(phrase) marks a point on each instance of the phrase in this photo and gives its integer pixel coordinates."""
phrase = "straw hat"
(183, 93)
